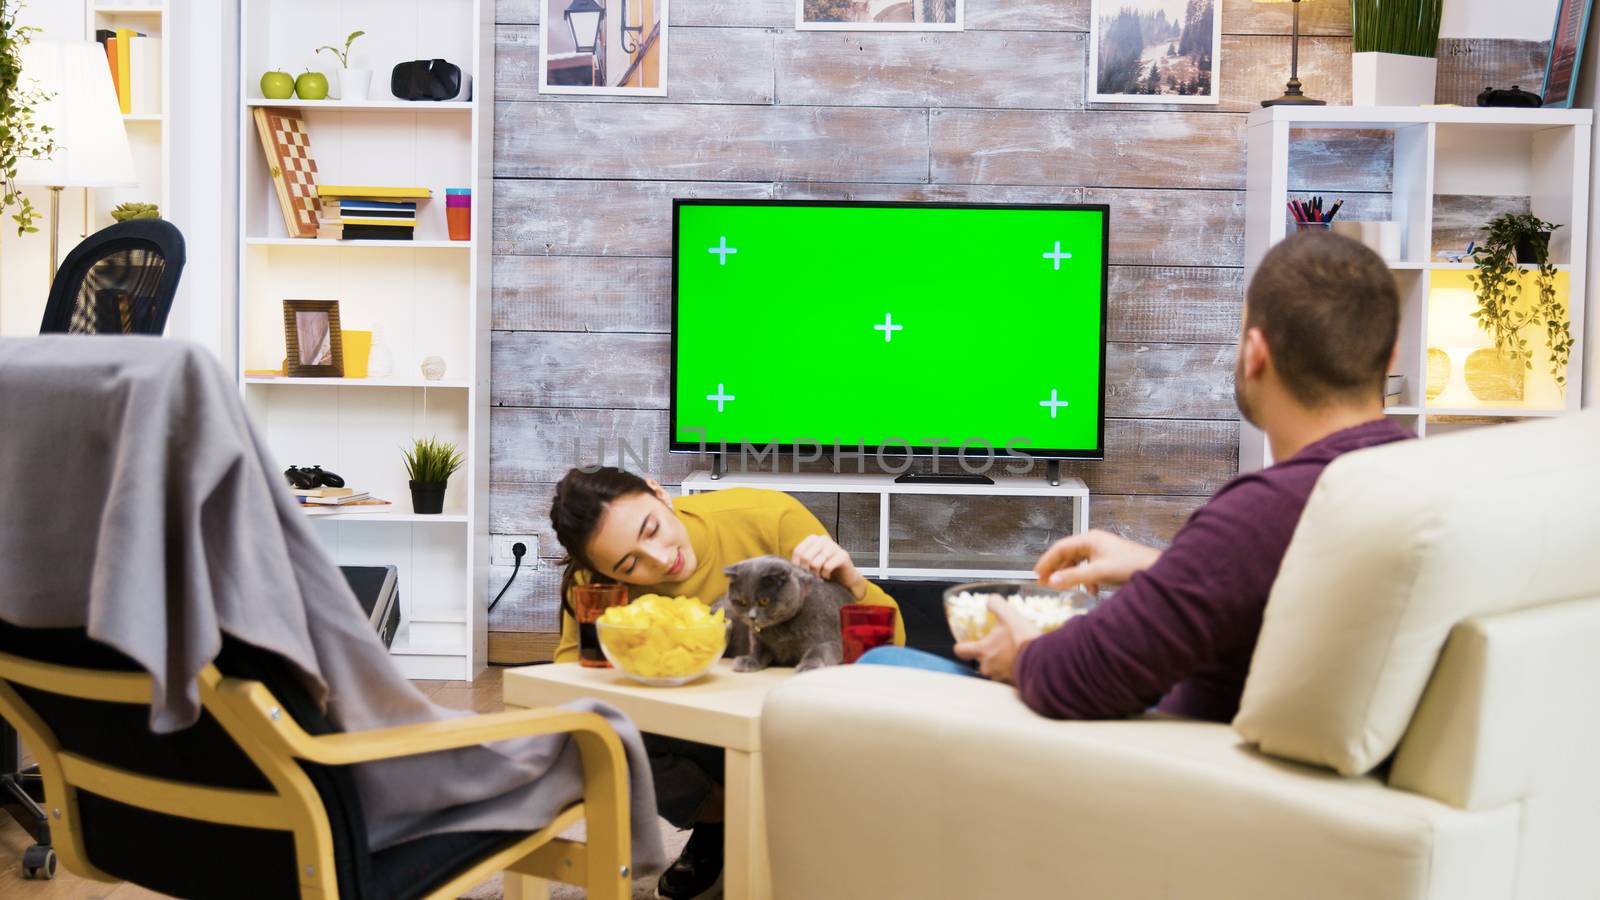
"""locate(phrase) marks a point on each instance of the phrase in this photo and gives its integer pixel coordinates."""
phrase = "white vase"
(1392, 79)
(354, 83)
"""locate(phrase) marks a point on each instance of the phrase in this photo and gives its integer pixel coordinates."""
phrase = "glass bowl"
(662, 655)
(966, 606)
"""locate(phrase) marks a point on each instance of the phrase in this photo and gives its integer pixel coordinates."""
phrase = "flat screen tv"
(891, 328)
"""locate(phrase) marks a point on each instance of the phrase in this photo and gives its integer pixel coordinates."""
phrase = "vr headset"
(430, 79)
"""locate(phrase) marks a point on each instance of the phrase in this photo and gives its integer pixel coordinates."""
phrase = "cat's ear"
(730, 571)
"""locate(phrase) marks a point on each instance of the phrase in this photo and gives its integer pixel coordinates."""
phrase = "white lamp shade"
(91, 142)
(1450, 322)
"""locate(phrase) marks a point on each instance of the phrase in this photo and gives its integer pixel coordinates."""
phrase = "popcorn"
(970, 618)
(663, 637)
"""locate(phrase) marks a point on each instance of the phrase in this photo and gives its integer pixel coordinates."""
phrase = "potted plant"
(1396, 42)
(429, 464)
(1515, 239)
(21, 136)
(353, 83)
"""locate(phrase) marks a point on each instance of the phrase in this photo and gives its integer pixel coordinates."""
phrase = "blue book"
(377, 204)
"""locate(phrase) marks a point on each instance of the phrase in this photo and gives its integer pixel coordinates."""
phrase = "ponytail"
(580, 502)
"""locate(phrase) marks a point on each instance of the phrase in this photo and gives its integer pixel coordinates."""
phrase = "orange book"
(124, 79)
(111, 57)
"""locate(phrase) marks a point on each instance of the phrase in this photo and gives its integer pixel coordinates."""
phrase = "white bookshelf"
(430, 297)
(149, 136)
(1542, 154)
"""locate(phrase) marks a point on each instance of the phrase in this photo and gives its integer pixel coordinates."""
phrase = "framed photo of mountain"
(1154, 51)
(1566, 52)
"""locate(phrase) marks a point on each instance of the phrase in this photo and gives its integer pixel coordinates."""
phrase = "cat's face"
(764, 591)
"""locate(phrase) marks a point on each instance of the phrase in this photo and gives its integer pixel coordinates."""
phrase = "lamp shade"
(82, 112)
(1450, 322)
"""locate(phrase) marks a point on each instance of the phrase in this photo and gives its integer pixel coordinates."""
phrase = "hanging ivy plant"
(1497, 280)
(21, 136)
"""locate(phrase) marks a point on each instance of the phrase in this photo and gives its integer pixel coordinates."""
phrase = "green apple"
(311, 86)
(277, 85)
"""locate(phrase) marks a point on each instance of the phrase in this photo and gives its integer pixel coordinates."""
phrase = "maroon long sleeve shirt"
(1182, 631)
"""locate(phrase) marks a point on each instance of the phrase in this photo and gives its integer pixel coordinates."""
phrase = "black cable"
(518, 550)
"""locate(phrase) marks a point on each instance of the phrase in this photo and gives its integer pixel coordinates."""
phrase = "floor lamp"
(86, 122)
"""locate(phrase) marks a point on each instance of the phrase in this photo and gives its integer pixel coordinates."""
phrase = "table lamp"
(86, 123)
(1292, 95)
(1452, 329)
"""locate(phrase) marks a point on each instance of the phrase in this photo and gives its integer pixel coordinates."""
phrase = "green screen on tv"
(905, 327)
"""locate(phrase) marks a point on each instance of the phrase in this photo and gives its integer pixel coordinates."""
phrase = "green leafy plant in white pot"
(353, 83)
(1396, 48)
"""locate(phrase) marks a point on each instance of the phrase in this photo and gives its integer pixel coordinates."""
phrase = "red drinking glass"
(862, 627)
(589, 602)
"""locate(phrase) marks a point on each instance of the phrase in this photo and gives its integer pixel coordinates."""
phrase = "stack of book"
(135, 61)
(360, 212)
(1393, 387)
(326, 501)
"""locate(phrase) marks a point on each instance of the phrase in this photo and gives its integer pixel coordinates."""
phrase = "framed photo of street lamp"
(612, 47)
(880, 15)
(1154, 51)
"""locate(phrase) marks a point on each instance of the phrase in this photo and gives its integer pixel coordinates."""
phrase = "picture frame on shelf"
(880, 15)
(604, 48)
(313, 342)
(1566, 52)
(1155, 51)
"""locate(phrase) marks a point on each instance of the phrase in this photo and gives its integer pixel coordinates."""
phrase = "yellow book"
(382, 223)
(124, 82)
(368, 192)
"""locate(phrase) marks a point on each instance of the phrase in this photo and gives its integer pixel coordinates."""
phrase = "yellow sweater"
(726, 527)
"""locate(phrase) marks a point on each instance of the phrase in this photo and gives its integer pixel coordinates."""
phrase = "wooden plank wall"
(995, 113)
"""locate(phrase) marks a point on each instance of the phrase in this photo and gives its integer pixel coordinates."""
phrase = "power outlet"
(500, 550)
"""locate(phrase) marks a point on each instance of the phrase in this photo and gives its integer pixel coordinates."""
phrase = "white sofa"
(1472, 727)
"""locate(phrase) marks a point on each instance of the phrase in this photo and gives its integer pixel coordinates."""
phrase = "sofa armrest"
(894, 782)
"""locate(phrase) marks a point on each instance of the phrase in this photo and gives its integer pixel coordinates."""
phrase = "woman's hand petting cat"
(997, 651)
(822, 556)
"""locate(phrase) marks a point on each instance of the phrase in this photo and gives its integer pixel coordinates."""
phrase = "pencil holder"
(458, 213)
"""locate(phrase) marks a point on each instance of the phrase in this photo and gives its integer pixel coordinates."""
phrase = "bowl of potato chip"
(966, 606)
(663, 641)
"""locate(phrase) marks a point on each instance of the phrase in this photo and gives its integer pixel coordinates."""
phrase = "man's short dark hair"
(1330, 311)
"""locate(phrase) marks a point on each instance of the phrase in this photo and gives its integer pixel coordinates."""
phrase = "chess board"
(287, 144)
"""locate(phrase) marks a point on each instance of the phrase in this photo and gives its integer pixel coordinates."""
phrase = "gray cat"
(783, 615)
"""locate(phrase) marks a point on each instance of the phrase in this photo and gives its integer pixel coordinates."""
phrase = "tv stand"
(942, 478)
(910, 564)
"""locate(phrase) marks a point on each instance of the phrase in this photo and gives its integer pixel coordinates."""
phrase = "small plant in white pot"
(353, 83)
(429, 463)
(1396, 45)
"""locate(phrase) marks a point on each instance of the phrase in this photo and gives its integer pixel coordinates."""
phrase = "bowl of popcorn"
(966, 606)
(663, 641)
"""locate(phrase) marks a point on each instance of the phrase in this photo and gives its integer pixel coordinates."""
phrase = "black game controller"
(312, 478)
(1516, 97)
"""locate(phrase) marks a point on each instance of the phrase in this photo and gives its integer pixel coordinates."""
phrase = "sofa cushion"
(1397, 545)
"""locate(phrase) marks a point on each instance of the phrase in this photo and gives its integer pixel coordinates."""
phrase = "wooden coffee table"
(723, 709)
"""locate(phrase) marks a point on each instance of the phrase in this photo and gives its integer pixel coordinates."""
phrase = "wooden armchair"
(256, 798)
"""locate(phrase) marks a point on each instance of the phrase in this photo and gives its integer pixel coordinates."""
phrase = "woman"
(616, 526)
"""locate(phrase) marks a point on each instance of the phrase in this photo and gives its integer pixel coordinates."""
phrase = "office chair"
(256, 799)
(120, 280)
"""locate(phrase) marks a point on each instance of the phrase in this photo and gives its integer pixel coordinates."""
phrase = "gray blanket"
(140, 503)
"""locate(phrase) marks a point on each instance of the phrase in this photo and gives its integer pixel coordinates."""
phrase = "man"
(1320, 321)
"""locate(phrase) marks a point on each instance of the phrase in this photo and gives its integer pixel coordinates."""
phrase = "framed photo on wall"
(1566, 52)
(608, 47)
(880, 15)
(1154, 51)
(312, 342)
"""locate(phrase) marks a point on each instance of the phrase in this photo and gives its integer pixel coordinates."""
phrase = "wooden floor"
(482, 695)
